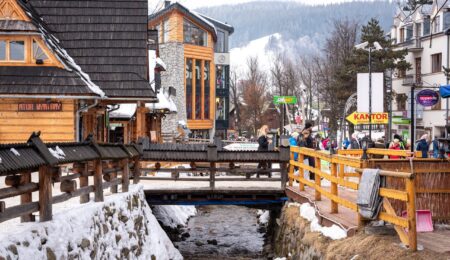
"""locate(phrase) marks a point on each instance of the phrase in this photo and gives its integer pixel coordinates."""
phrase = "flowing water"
(223, 232)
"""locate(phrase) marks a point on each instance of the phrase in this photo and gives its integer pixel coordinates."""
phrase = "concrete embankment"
(295, 240)
(121, 227)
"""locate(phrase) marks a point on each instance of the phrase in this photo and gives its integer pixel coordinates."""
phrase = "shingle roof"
(12, 25)
(108, 39)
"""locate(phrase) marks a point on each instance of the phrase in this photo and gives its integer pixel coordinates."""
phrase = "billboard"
(363, 92)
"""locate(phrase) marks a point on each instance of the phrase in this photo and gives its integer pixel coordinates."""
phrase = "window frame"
(437, 24)
(437, 68)
(194, 102)
(26, 51)
(165, 31)
(194, 25)
(29, 59)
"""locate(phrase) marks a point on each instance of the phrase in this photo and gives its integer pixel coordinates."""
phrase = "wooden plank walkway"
(437, 241)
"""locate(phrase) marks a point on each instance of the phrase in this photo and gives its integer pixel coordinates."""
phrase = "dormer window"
(2, 50)
(38, 52)
(17, 50)
(25, 51)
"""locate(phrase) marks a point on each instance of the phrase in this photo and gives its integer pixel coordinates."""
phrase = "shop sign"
(427, 98)
(277, 100)
(363, 118)
(40, 107)
(400, 120)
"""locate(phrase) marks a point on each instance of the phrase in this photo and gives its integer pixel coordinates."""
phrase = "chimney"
(166, 4)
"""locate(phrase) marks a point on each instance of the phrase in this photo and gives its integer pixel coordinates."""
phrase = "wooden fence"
(337, 177)
(95, 166)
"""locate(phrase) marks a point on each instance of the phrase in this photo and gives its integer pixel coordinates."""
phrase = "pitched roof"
(191, 14)
(219, 24)
(107, 39)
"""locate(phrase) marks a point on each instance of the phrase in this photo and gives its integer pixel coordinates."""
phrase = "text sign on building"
(40, 107)
(377, 92)
(357, 118)
(427, 98)
(277, 100)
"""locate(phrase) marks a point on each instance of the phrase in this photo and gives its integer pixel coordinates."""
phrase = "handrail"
(406, 175)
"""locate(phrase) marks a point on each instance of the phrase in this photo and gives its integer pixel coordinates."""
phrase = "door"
(418, 70)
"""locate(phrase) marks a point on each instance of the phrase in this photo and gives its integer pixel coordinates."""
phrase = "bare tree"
(236, 98)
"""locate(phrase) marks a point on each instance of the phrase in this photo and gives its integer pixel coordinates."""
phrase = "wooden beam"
(26, 197)
(334, 188)
(15, 191)
(98, 181)
(84, 181)
(45, 194)
(411, 209)
(125, 175)
(136, 170)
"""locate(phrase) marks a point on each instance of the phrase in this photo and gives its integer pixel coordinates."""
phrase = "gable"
(10, 10)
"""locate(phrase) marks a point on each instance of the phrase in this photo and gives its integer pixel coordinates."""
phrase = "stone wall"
(173, 56)
(122, 227)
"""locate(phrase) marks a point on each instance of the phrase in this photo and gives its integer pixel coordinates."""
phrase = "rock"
(50, 254)
(118, 238)
(212, 242)
(69, 247)
(153, 257)
(13, 249)
(85, 243)
(2, 258)
(198, 243)
(105, 229)
(26, 243)
(123, 218)
(185, 235)
(93, 253)
(134, 248)
(125, 252)
(43, 241)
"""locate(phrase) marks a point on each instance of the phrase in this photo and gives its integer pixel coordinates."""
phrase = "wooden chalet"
(65, 64)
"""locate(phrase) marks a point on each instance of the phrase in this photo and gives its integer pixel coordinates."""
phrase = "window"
(221, 108)
(402, 34)
(401, 73)
(437, 24)
(189, 89)
(220, 44)
(409, 32)
(446, 20)
(2, 50)
(193, 34)
(426, 26)
(222, 76)
(207, 89)
(401, 102)
(198, 89)
(17, 50)
(436, 62)
(158, 28)
(38, 52)
(166, 30)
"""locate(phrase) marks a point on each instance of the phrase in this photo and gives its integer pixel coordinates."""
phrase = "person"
(354, 144)
(423, 146)
(401, 142)
(346, 143)
(395, 145)
(293, 142)
(325, 143)
(435, 147)
(263, 145)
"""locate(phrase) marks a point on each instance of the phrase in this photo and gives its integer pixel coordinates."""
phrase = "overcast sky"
(202, 3)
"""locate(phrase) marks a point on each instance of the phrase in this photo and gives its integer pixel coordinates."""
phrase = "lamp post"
(447, 74)
(366, 46)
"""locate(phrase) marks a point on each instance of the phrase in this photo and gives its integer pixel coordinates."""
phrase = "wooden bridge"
(200, 174)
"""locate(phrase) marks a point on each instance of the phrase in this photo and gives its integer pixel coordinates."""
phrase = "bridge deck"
(437, 241)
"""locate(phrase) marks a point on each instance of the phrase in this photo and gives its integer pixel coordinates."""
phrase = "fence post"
(125, 175)
(212, 158)
(26, 197)
(283, 168)
(334, 188)
(113, 176)
(212, 175)
(45, 193)
(411, 209)
(341, 171)
(317, 181)
(291, 169)
(98, 180)
(136, 171)
(301, 171)
(84, 180)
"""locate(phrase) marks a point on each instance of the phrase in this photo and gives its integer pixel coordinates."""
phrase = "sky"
(192, 4)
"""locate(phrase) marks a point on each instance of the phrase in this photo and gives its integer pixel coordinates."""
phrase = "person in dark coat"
(423, 146)
(263, 145)
(309, 143)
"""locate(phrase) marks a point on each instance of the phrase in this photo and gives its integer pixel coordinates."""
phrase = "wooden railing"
(377, 151)
(337, 177)
(85, 176)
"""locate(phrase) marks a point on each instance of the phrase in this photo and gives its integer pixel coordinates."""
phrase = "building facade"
(423, 34)
(187, 44)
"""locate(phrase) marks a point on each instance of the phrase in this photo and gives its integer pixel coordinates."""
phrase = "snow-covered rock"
(174, 216)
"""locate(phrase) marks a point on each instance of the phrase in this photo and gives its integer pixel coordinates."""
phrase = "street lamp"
(364, 146)
(447, 75)
(366, 46)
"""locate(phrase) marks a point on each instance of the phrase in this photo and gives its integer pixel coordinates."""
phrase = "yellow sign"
(363, 118)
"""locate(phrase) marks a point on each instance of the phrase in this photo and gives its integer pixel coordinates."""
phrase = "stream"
(223, 232)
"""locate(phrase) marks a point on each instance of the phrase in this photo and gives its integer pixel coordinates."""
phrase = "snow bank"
(122, 227)
(309, 213)
(174, 216)
(264, 216)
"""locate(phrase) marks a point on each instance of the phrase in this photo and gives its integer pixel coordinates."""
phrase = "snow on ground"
(263, 216)
(174, 216)
(70, 228)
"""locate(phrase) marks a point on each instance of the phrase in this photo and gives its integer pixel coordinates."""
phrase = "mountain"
(293, 20)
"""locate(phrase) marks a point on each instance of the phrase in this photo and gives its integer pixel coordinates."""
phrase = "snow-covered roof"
(164, 103)
(124, 111)
(161, 64)
(218, 23)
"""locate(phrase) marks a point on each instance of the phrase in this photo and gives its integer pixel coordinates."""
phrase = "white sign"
(377, 93)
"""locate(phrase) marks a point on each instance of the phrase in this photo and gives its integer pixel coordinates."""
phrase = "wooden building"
(65, 64)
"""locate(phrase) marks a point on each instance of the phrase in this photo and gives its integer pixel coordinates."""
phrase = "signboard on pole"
(427, 97)
(377, 93)
(289, 100)
(357, 118)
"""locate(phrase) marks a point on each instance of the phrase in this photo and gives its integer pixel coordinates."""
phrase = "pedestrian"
(354, 144)
(401, 142)
(395, 145)
(263, 145)
(423, 146)
(435, 147)
(293, 142)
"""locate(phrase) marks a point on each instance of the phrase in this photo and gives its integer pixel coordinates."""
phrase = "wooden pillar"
(98, 172)
(291, 169)
(45, 194)
(334, 188)
(284, 176)
(212, 175)
(84, 181)
(411, 209)
(113, 175)
(125, 175)
(318, 183)
(341, 171)
(140, 121)
(26, 197)
(136, 171)
(301, 171)
(126, 137)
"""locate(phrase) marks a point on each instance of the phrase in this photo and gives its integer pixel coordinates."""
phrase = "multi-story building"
(194, 48)
(423, 33)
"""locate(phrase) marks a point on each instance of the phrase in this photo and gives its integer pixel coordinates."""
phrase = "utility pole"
(370, 94)
(413, 89)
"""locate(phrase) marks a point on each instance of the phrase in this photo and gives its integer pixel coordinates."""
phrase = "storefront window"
(193, 34)
(207, 89)
(198, 89)
(189, 88)
(17, 50)
(2, 50)
(222, 76)
(221, 108)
